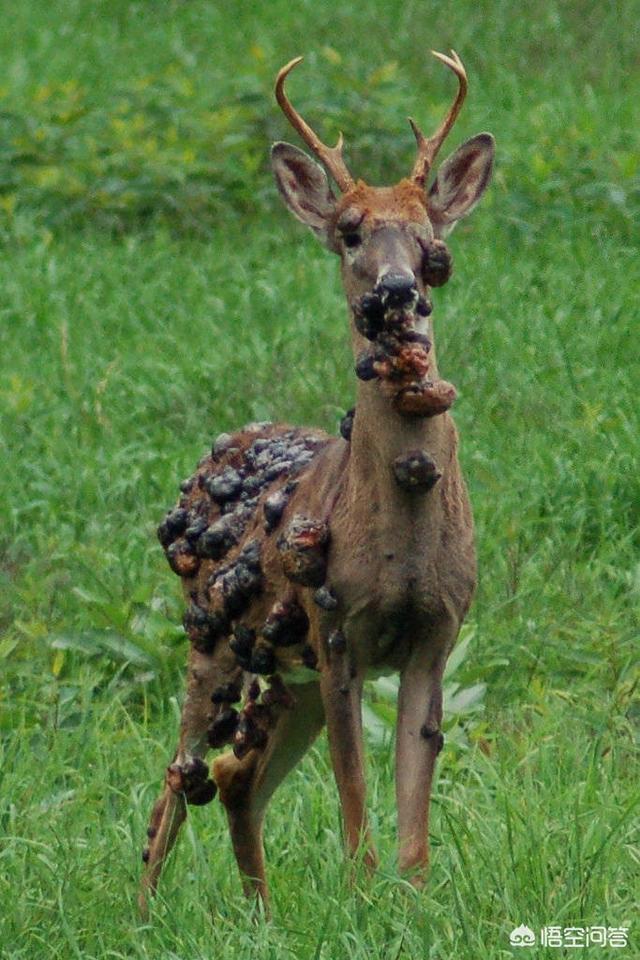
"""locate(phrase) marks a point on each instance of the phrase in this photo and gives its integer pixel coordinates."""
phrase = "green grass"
(129, 340)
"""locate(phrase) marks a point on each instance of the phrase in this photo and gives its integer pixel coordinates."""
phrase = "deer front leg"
(186, 778)
(418, 743)
(342, 698)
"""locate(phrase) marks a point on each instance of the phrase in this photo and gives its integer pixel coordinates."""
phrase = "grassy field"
(154, 294)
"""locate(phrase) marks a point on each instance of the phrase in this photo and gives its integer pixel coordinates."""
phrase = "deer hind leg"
(342, 697)
(187, 777)
(247, 784)
(418, 743)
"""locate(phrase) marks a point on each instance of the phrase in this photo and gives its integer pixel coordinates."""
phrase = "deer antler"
(331, 157)
(428, 147)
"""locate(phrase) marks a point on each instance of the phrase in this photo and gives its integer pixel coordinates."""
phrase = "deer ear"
(461, 181)
(304, 188)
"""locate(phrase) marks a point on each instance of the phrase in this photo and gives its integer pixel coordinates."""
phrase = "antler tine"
(428, 146)
(331, 157)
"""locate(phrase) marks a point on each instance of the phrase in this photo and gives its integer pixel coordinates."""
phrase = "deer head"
(388, 238)
(377, 524)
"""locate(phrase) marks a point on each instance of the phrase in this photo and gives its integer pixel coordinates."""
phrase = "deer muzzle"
(391, 318)
(397, 289)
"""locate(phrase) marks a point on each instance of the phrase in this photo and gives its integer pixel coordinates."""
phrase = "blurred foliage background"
(122, 113)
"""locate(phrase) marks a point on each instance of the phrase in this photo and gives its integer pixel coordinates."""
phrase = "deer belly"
(381, 639)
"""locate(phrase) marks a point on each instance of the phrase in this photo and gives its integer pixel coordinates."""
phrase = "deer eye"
(352, 240)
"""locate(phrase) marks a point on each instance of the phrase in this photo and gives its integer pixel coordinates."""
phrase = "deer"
(311, 563)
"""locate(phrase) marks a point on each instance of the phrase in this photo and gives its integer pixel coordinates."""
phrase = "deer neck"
(380, 436)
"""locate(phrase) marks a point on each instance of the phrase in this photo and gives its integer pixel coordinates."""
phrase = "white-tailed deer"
(312, 562)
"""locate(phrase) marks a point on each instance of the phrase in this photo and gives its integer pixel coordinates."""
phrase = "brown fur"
(404, 202)
(310, 561)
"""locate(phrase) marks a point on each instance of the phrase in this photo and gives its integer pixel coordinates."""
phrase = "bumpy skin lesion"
(437, 263)
(399, 356)
(231, 522)
(307, 561)
(254, 570)
(251, 540)
(245, 556)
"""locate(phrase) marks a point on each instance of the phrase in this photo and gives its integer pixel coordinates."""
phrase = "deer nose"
(397, 289)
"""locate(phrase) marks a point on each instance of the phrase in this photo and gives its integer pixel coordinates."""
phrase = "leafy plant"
(462, 703)
(160, 149)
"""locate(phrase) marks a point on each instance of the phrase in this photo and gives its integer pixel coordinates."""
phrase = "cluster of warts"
(399, 357)
(229, 486)
(248, 480)
(244, 486)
